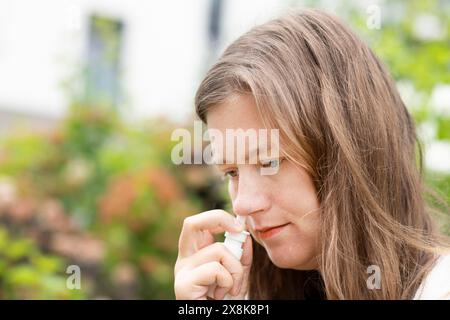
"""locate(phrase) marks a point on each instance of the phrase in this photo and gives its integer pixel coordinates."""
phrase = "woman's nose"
(251, 196)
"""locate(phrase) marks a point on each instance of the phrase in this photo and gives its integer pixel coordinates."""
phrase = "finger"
(195, 283)
(213, 273)
(192, 236)
(218, 252)
(220, 293)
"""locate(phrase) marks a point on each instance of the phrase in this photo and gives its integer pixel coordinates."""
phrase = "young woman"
(345, 216)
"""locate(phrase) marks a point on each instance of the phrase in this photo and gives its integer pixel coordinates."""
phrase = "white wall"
(43, 42)
(32, 41)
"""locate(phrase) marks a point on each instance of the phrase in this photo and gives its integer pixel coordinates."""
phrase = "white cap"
(234, 241)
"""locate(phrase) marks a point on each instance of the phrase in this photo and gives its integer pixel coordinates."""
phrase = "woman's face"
(286, 200)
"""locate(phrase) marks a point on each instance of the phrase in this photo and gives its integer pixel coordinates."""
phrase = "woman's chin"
(281, 260)
(284, 261)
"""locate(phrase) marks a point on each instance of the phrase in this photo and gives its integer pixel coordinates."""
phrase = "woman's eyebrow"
(252, 155)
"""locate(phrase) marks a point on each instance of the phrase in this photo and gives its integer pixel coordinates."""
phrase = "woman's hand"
(202, 263)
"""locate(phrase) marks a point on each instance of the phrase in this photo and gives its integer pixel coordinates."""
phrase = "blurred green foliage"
(114, 181)
(27, 273)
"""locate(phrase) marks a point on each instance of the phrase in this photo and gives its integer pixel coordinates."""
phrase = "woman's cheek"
(232, 189)
(299, 251)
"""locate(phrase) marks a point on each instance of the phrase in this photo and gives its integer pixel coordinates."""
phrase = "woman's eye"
(230, 174)
(272, 163)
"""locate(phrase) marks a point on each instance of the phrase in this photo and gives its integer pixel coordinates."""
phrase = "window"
(103, 61)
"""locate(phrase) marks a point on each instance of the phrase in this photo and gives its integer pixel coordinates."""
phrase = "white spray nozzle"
(241, 220)
(234, 241)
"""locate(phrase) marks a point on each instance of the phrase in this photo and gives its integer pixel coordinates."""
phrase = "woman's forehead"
(239, 112)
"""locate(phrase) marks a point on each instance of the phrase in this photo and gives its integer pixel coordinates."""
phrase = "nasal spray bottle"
(234, 243)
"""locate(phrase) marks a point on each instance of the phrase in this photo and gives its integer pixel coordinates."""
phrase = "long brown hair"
(342, 119)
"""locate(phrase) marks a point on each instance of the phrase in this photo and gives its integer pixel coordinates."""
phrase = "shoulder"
(436, 285)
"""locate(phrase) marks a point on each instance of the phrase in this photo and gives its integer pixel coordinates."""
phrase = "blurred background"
(90, 91)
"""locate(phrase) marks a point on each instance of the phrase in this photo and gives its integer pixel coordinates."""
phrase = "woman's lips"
(270, 232)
